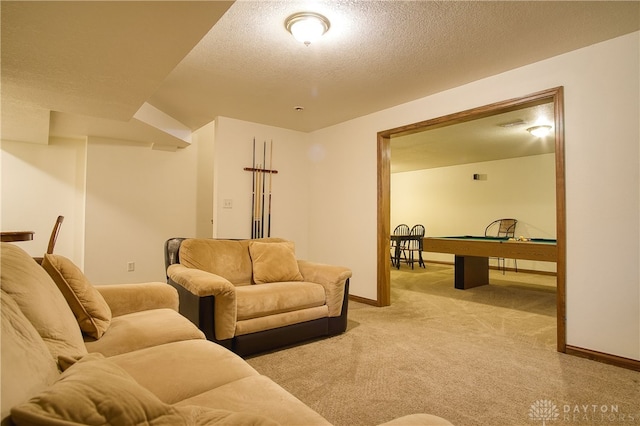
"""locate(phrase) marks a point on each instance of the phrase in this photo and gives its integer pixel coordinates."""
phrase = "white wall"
(136, 199)
(602, 184)
(204, 139)
(39, 183)
(290, 189)
(449, 202)
(343, 210)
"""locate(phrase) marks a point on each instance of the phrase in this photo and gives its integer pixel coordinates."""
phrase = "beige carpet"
(484, 356)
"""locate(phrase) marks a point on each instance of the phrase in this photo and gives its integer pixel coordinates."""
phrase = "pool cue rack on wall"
(261, 194)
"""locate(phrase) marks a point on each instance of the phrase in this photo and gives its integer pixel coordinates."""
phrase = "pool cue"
(264, 159)
(253, 192)
(270, 183)
(258, 207)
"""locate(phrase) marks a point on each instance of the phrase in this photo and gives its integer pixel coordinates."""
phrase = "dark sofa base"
(200, 311)
(262, 341)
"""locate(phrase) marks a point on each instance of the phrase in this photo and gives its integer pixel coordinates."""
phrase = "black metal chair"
(414, 245)
(397, 245)
(502, 228)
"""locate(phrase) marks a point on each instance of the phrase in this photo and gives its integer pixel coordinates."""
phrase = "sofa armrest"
(332, 278)
(127, 298)
(202, 283)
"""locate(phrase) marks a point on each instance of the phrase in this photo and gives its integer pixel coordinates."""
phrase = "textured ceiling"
(85, 68)
(87, 62)
(377, 54)
(497, 137)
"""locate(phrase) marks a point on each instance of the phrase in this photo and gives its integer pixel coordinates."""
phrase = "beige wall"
(602, 184)
(39, 183)
(449, 202)
(290, 188)
(326, 189)
(136, 199)
(204, 140)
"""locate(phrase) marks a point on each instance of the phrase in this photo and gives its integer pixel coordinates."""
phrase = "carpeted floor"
(484, 356)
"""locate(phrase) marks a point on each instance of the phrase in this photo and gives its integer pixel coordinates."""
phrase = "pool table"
(472, 254)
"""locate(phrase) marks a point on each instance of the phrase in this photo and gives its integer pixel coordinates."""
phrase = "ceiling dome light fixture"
(307, 27)
(540, 131)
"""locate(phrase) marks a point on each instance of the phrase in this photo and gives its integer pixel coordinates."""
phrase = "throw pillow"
(86, 302)
(96, 391)
(274, 262)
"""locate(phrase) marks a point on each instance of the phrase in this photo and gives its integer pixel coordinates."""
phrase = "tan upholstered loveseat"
(254, 295)
(76, 354)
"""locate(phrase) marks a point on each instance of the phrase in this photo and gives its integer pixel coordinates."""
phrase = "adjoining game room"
(484, 190)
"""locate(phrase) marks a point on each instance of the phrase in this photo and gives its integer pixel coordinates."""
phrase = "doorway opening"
(554, 96)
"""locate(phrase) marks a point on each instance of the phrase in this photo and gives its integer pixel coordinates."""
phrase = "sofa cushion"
(95, 391)
(92, 391)
(274, 298)
(143, 329)
(88, 305)
(27, 365)
(271, 322)
(41, 302)
(203, 416)
(258, 395)
(226, 258)
(191, 367)
(274, 262)
(419, 419)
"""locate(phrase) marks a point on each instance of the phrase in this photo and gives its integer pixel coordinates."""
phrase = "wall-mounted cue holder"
(252, 169)
(261, 192)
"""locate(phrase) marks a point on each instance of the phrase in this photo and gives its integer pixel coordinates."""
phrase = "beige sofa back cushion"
(41, 302)
(228, 258)
(274, 262)
(96, 391)
(27, 365)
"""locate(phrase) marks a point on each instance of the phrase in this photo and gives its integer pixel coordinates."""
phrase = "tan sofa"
(254, 295)
(121, 355)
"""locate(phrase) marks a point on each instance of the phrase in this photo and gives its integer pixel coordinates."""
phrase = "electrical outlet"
(131, 266)
(227, 204)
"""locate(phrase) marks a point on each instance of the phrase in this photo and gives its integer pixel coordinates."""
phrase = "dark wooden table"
(11, 236)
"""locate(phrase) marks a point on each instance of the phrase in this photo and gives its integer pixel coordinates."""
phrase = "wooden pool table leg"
(471, 271)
